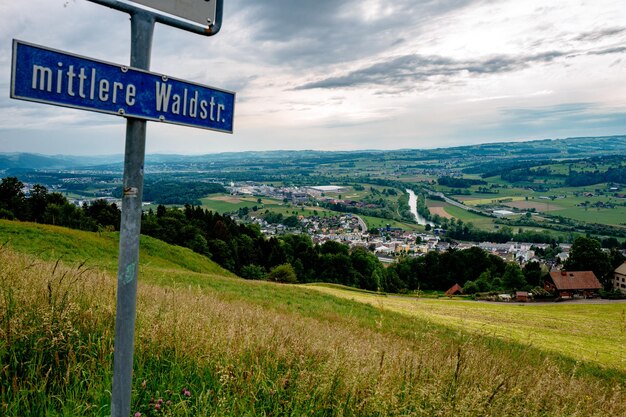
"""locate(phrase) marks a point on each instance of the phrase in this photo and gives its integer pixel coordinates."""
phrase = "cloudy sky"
(344, 75)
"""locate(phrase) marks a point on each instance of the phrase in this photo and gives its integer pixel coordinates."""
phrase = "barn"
(573, 283)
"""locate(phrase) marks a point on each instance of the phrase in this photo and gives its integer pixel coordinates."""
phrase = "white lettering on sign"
(183, 104)
(65, 83)
(84, 83)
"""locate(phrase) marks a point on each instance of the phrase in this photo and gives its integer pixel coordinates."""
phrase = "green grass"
(584, 332)
(482, 222)
(247, 348)
(99, 250)
(492, 199)
(212, 203)
(376, 222)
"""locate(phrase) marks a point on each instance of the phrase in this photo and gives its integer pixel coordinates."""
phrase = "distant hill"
(550, 148)
(31, 161)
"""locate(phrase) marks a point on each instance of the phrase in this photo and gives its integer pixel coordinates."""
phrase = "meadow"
(210, 344)
(584, 332)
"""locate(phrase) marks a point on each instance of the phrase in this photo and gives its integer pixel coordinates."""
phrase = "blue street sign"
(48, 76)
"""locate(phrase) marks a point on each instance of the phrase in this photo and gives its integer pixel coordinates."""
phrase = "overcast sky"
(345, 74)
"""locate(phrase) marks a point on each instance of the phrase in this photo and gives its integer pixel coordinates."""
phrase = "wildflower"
(160, 401)
(157, 406)
(137, 414)
(187, 393)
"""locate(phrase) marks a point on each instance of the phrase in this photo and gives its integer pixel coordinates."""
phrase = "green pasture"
(585, 332)
(492, 199)
(569, 207)
(479, 221)
(376, 222)
(214, 202)
(612, 216)
(98, 250)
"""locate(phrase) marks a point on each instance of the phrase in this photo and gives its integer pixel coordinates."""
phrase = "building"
(521, 296)
(454, 290)
(573, 283)
(619, 278)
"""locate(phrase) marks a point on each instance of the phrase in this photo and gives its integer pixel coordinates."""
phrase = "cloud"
(573, 115)
(305, 34)
(608, 51)
(410, 69)
(347, 74)
(596, 35)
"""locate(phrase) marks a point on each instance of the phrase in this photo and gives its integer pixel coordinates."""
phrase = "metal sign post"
(142, 28)
(48, 76)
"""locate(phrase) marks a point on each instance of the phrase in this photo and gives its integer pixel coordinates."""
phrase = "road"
(361, 223)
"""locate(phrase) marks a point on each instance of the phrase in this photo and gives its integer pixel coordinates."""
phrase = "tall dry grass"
(202, 355)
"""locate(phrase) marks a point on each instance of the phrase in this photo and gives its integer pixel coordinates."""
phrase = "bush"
(613, 294)
(470, 287)
(252, 272)
(283, 273)
(6, 214)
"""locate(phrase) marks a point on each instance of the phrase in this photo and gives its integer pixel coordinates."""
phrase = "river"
(413, 206)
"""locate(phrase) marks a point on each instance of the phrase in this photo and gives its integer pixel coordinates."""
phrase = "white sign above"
(199, 11)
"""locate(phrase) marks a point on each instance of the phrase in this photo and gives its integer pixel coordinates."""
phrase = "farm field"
(439, 208)
(223, 203)
(376, 222)
(541, 206)
(586, 332)
(494, 199)
(614, 216)
(479, 221)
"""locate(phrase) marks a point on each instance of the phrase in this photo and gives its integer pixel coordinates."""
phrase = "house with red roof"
(454, 290)
(573, 283)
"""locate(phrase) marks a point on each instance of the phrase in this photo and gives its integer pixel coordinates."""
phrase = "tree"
(104, 214)
(283, 273)
(252, 271)
(365, 264)
(470, 287)
(38, 202)
(291, 221)
(533, 274)
(513, 279)
(483, 282)
(12, 197)
(616, 258)
(587, 255)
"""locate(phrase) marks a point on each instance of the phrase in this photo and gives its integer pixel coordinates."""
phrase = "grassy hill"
(99, 250)
(243, 348)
